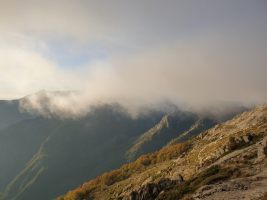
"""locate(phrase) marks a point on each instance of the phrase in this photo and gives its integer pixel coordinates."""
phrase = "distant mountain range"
(42, 158)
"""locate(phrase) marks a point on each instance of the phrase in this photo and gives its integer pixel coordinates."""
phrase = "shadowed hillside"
(49, 153)
(59, 154)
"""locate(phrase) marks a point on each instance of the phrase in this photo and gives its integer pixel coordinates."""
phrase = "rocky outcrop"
(262, 150)
(151, 191)
(251, 180)
(247, 188)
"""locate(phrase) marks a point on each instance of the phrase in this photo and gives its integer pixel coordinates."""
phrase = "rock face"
(251, 180)
(151, 191)
(262, 150)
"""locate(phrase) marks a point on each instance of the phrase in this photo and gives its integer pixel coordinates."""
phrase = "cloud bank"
(189, 55)
(196, 74)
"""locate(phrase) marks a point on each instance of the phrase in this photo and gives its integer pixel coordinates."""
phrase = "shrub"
(145, 160)
(77, 195)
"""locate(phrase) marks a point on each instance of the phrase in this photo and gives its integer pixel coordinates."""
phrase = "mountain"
(174, 128)
(19, 143)
(57, 154)
(228, 161)
(50, 153)
(10, 113)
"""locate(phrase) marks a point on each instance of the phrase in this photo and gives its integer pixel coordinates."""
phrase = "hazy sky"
(135, 51)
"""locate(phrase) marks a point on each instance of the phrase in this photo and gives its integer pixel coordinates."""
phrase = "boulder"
(246, 138)
(151, 191)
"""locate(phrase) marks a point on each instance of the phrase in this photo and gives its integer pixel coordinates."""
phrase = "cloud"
(127, 23)
(196, 73)
(184, 53)
(24, 70)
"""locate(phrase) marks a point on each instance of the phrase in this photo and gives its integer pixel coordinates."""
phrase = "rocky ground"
(250, 183)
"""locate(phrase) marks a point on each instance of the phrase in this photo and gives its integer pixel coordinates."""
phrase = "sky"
(137, 53)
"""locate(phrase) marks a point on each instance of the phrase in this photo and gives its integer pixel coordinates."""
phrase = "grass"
(211, 175)
(126, 171)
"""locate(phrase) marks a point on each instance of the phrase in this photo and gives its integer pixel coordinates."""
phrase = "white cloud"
(197, 73)
(185, 53)
(24, 70)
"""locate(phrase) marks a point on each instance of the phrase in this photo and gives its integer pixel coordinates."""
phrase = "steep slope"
(19, 142)
(175, 127)
(199, 126)
(11, 114)
(224, 162)
(59, 154)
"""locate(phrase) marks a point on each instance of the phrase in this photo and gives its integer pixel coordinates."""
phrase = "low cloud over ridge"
(194, 73)
(138, 54)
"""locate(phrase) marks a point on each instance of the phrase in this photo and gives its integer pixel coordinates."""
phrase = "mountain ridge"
(223, 153)
(98, 141)
(171, 127)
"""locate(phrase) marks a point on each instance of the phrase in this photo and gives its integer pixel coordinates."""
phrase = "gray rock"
(221, 150)
(151, 191)
(246, 139)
